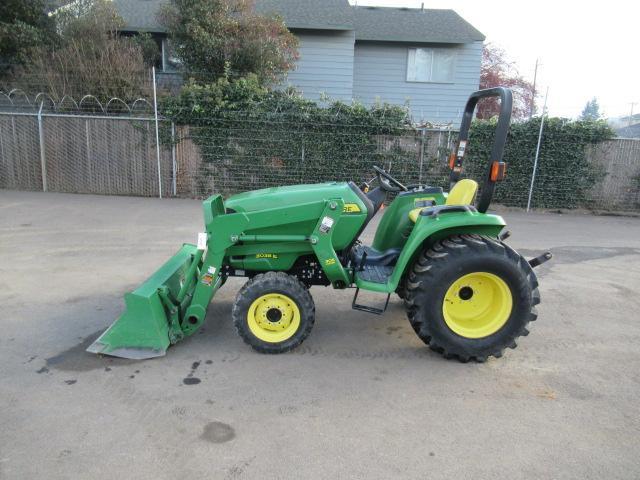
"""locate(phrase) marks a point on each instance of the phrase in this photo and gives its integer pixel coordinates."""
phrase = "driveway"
(361, 398)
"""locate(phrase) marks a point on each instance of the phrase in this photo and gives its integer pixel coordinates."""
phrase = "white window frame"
(433, 51)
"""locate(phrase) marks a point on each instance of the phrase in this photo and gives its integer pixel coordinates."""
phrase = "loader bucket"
(144, 329)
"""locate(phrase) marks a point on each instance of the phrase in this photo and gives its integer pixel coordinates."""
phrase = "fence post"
(155, 111)
(535, 161)
(423, 132)
(174, 171)
(87, 137)
(302, 172)
(43, 160)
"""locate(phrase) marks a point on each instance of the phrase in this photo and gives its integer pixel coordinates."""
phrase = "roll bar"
(495, 172)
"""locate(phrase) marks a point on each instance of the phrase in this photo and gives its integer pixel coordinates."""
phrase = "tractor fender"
(428, 230)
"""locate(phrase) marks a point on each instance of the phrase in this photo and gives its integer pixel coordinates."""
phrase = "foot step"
(367, 308)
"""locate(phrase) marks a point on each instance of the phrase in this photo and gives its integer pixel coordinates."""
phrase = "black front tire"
(278, 284)
(450, 259)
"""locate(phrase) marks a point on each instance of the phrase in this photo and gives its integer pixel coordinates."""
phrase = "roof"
(141, 15)
(310, 14)
(413, 25)
(382, 24)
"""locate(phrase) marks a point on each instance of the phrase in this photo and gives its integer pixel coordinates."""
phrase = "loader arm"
(171, 303)
(226, 231)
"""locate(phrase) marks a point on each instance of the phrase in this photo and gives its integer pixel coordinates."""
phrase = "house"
(429, 58)
(632, 131)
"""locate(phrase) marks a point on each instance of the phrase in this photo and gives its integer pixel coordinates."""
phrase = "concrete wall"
(325, 64)
(380, 72)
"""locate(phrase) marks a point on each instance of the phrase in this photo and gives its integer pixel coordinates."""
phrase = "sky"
(586, 49)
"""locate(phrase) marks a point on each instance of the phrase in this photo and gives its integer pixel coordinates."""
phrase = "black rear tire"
(272, 328)
(401, 291)
(447, 261)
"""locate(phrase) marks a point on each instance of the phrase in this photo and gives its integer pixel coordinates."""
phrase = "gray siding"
(325, 64)
(380, 72)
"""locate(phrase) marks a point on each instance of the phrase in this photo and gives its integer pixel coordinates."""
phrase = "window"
(431, 65)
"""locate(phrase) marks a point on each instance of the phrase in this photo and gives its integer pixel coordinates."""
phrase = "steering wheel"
(387, 182)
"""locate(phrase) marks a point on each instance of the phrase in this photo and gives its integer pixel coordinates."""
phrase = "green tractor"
(468, 295)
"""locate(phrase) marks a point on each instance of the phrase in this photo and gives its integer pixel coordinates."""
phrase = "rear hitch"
(504, 235)
(545, 257)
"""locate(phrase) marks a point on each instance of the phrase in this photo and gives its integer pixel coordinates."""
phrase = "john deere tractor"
(468, 295)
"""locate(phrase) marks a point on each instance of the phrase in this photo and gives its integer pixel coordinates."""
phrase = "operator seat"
(462, 193)
(373, 199)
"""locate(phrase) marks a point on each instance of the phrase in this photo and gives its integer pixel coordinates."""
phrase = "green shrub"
(251, 137)
(214, 38)
(564, 174)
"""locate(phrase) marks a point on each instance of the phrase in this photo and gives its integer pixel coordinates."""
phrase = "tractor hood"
(292, 195)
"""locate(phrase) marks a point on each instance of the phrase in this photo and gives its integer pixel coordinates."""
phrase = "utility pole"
(633, 104)
(155, 111)
(533, 94)
(535, 161)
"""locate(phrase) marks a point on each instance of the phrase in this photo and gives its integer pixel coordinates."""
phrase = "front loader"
(468, 295)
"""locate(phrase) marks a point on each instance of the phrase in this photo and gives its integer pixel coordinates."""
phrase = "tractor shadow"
(339, 332)
(78, 315)
(77, 359)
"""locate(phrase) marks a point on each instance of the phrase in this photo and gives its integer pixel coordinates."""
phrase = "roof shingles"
(413, 25)
(382, 24)
(311, 14)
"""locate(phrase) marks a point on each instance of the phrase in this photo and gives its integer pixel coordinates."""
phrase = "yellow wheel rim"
(273, 318)
(477, 305)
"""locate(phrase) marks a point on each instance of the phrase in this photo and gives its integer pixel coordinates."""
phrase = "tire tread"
(425, 272)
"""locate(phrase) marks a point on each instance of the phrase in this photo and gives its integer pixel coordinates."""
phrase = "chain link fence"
(294, 153)
(108, 146)
(117, 156)
(82, 154)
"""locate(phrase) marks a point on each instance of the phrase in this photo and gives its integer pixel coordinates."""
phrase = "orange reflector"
(452, 160)
(498, 170)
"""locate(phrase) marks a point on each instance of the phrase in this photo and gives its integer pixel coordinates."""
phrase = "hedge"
(564, 176)
(252, 137)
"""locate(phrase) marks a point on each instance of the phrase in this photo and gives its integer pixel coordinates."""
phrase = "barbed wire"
(17, 99)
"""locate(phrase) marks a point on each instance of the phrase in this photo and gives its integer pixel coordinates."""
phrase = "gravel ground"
(361, 398)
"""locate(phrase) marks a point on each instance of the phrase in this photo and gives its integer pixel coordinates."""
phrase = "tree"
(217, 38)
(591, 110)
(497, 71)
(24, 27)
(90, 58)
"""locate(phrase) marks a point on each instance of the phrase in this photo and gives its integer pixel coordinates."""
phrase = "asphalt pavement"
(361, 398)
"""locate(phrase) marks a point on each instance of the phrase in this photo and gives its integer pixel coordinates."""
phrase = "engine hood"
(290, 195)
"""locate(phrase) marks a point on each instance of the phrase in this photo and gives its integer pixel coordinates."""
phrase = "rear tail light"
(498, 170)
